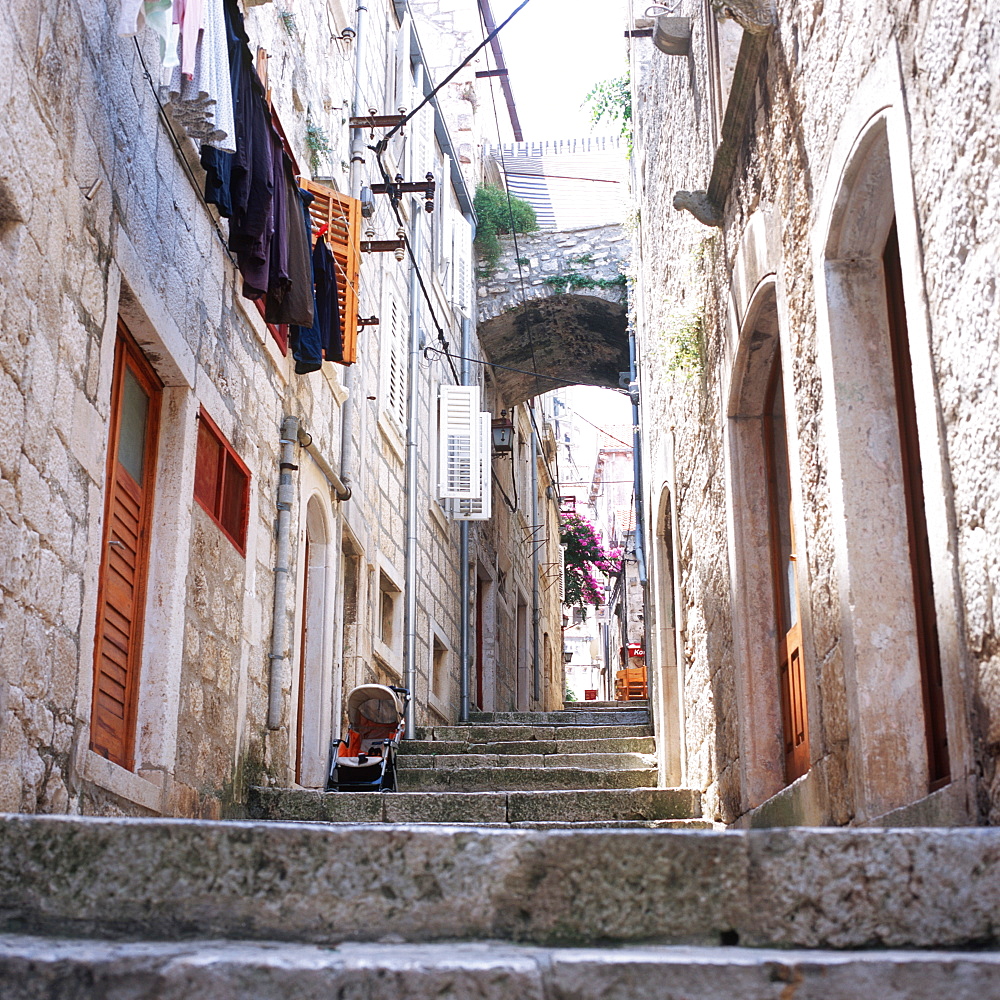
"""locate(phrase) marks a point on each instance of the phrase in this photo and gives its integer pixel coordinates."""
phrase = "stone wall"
(549, 263)
(101, 217)
(807, 106)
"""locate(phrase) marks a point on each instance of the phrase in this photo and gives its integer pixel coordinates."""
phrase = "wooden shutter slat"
(342, 215)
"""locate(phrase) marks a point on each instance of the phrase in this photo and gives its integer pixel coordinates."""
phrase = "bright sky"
(556, 52)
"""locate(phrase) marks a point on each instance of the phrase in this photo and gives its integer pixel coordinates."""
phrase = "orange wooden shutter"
(125, 558)
(342, 214)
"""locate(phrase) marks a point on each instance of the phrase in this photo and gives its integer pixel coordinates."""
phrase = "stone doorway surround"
(868, 185)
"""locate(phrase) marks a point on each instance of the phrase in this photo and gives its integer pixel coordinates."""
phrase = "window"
(278, 331)
(389, 611)
(222, 483)
(439, 670)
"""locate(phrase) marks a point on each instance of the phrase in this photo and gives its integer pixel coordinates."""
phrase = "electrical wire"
(384, 141)
(508, 368)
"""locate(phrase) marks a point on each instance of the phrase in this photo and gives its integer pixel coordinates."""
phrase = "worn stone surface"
(476, 779)
(78, 970)
(173, 879)
(604, 804)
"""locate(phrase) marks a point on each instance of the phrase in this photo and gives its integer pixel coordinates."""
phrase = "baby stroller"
(366, 760)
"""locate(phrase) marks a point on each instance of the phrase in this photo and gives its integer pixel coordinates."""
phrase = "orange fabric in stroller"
(360, 740)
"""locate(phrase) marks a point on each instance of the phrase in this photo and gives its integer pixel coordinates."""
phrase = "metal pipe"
(536, 604)
(305, 439)
(412, 418)
(464, 582)
(349, 409)
(279, 619)
(640, 548)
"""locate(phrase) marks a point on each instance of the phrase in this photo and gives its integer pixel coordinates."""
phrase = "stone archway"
(556, 304)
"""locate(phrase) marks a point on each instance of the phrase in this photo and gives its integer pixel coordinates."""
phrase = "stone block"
(492, 734)
(444, 807)
(475, 779)
(478, 970)
(873, 888)
(603, 804)
(321, 807)
(622, 885)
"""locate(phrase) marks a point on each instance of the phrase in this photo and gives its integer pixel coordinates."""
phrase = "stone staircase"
(517, 887)
(592, 767)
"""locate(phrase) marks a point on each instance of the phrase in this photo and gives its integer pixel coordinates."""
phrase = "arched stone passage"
(574, 337)
(555, 304)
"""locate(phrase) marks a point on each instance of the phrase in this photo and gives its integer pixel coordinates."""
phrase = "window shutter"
(462, 277)
(396, 358)
(459, 442)
(562, 574)
(479, 508)
(342, 215)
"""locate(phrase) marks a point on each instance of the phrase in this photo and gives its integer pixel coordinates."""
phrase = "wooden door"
(135, 410)
(480, 601)
(932, 684)
(788, 626)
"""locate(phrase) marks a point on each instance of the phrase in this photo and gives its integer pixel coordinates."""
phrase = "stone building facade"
(113, 264)
(816, 310)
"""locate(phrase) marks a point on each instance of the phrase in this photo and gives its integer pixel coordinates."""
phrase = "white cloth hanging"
(203, 104)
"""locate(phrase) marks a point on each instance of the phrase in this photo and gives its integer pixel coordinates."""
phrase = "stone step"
(513, 778)
(35, 967)
(589, 761)
(587, 806)
(576, 706)
(524, 733)
(156, 879)
(573, 717)
(626, 744)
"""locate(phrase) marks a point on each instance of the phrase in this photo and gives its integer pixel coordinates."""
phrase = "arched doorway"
(315, 687)
(767, 632)
(900, 745)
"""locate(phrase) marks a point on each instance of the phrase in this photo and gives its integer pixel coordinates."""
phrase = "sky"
(556, 51)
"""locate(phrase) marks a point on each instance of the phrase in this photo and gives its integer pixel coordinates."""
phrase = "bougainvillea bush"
(586, 557)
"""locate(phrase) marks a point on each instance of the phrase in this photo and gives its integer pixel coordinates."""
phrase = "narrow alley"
(500, 499)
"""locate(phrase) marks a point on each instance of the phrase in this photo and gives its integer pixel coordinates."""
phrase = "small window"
(389, 611)
(222, 483)
(439, 670)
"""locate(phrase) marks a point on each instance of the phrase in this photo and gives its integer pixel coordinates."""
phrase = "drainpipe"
(349, 409)
(279, 620)
(464, 582)
(536, 607)
(412, 417)
(340, 490)
(633, 388)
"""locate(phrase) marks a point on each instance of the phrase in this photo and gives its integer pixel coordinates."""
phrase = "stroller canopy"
(374, 703)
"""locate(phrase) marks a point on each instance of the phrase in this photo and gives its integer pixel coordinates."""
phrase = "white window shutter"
(459, 442)
(562, 574)
(479, 508)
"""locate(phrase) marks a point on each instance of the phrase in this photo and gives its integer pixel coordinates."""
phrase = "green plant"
(570, 696)
(612, 99)
(685, 343)
(317, 142)
(574, 282)
(499, 215)
(288, 21)
(522, 262)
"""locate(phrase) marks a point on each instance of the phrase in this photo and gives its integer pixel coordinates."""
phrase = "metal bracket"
(380, 246)
(377, 121)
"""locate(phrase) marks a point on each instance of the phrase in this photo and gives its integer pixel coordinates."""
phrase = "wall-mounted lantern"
(503, 435)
